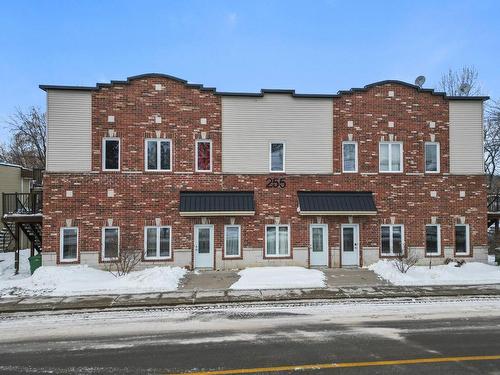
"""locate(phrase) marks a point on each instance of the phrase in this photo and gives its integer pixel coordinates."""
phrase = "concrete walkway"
(190, 297)
(335, 277)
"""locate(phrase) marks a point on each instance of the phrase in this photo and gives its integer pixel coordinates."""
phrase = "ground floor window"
(277, 240)
(432, 239)
(462, 239)
(232, 241)
(69, 244)
(110, 243)
(392, 239)
(157, 242)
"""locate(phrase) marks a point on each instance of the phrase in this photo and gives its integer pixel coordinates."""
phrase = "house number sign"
(276, 182)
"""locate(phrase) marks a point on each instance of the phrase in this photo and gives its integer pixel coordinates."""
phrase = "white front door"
(350, 244)
(318, 245)
(204, 246)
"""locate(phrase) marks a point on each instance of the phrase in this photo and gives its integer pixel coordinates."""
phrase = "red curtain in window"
(204, 156)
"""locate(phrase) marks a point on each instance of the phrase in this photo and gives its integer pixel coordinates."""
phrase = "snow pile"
(84, 280)
(279, 278)
(7, 265)
(468, 274)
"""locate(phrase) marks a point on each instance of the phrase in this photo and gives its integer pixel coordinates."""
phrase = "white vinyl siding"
(466, 137)
(250, 124)
(69, 138)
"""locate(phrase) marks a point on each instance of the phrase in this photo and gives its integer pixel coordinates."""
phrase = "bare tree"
(27, 146)
(452, 80)
(492, 144)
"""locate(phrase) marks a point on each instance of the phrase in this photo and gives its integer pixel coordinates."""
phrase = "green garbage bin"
(35, 262)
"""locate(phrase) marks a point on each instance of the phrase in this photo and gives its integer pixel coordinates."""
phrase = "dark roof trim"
(127, 82)
(336, 203)
(262, 91)
(209, 203)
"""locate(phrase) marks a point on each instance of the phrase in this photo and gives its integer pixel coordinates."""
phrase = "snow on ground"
(279, 278)
(468, 274)
(82, 280)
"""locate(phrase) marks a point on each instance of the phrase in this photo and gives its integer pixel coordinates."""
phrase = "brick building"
(204, 179)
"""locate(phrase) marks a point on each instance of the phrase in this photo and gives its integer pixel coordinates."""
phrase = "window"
(391, 157)
(158, 155)
(110, 243)
(432, 239)
(203, 156)
(277, 240)
(232, 236)
(111, 154)
(462, 239)
(69, 244)
(432, 157)
(277, 157)
(392, 238)
(349, 157)
(157, 242)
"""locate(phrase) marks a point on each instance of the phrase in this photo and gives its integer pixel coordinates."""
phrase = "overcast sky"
(311, 46)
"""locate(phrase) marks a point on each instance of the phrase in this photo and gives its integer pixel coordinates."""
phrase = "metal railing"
(22, 203)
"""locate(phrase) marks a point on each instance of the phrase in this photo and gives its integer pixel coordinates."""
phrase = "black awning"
(216, 203)
(336, 203)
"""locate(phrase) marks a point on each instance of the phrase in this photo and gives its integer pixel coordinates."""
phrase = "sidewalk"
(195, 296)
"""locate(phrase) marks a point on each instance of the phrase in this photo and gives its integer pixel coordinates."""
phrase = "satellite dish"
(464, 88)
(419, 81)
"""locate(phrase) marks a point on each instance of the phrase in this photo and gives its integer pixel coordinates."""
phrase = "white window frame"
(277, 226)
(438, 240)
(401, 163)
(158, 229)
(467, 240)
(271, 159)
(103, 159)
(355, 156)
(158, 154)
(239, 241)
(391, 239)
(438, 154)
(103, 242)
(196, 155)
(61, 245)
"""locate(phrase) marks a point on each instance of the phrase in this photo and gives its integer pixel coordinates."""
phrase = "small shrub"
(125, 263)
(405, 260)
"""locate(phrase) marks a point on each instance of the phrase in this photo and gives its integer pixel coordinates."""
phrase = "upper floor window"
(111, 154)
(110, 243)
(277, 157)
(391, 157)
(203, 155)
(432, 239)
(349, 157)
(69, 244)
(462, 246)
(158, 155)
(277, 240)
(157, 242)
(232, 240)
(432, 157)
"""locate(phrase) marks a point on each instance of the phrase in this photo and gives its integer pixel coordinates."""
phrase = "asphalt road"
(260, 336)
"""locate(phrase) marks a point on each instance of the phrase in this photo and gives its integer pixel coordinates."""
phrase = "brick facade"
(140, 197)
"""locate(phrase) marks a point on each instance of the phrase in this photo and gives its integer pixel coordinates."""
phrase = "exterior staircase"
(6, 239)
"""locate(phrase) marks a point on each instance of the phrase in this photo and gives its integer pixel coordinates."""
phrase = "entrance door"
(318, 245)
(350, 245)
(204, 246)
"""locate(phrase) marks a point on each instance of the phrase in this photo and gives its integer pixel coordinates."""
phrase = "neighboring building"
(205, 179)
(13, 179)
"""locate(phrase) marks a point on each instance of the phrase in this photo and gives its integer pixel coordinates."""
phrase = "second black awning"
(216, 203)
(336, 203)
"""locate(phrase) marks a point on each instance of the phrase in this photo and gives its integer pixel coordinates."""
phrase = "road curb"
(200, 297)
